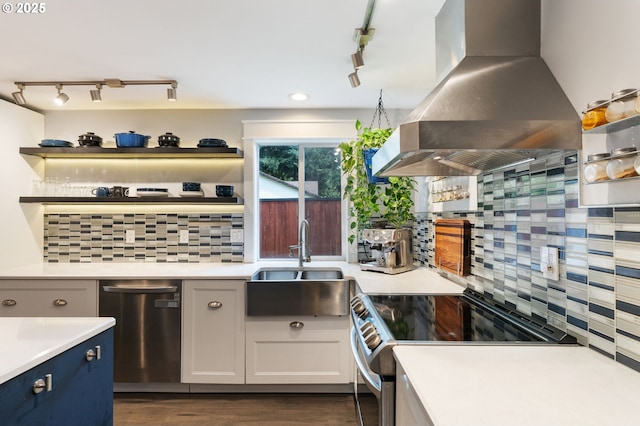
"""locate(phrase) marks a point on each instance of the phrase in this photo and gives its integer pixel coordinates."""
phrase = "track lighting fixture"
(19, 96)
(362, 36)
(96, 94)
(354, 80)
(171, 92)
(62, 97)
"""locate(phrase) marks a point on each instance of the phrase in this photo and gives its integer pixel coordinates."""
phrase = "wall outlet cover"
(236, 236)
(130, 236)
(184, 236)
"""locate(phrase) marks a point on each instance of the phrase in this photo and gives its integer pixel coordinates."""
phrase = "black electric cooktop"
(466, 318)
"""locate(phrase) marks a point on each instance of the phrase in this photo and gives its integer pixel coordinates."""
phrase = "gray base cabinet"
(48, 298)
(74, 390)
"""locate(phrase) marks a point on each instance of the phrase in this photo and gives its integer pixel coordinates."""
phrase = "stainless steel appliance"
(388, 250)
(384, 321)
(147, 331)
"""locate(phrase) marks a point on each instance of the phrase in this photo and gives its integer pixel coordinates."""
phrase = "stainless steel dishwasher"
(147, 331)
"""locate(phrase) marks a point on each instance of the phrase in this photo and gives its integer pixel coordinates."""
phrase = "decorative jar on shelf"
(596, 168)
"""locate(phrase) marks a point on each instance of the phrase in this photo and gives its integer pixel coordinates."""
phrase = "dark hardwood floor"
(234, 409)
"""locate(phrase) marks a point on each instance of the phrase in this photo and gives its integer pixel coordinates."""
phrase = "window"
(299, 181)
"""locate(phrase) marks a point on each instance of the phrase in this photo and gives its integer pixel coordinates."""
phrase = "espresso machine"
(388, 250)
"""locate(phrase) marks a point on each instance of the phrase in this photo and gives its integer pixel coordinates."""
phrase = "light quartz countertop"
(28, 342)
(420, 280)
(521, 385)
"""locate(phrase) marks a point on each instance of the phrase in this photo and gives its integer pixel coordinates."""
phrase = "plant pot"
(368, 157)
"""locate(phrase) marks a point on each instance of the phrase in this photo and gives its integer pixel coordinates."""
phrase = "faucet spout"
(304, 249)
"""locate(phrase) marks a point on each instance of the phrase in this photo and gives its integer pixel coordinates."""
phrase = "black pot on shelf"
(90, 139)
(168, 140)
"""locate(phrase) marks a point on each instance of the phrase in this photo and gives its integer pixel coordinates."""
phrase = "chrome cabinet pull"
(95, 353)
(59, 302)
(9, 302)
(45, 384)
(214, 304)
(296, 324)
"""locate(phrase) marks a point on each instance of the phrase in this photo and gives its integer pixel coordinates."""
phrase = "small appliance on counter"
(388, 250)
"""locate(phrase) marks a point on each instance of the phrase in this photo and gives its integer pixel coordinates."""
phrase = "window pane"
(278, 185)
(323, 200)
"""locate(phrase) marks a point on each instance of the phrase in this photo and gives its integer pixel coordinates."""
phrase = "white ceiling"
(225, 54)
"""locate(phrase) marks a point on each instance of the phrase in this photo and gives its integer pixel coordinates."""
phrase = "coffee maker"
(387, 250)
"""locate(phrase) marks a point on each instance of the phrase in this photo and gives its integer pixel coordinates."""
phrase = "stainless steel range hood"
(496, 103)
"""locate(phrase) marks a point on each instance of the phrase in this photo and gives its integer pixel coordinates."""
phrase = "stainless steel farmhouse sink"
(298, 291)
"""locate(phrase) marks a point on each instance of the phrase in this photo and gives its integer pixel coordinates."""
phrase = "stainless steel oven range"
(381, 322)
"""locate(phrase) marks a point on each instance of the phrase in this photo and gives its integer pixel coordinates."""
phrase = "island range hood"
(496, 103)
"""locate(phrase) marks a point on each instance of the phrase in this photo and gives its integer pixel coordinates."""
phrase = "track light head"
(354, 79)
(358, 61)
(96, 95)
(19, 96)
(62, 97)
(171, 92)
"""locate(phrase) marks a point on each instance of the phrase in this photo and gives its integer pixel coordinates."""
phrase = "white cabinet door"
(409, 409)
(213, 331)
(49, 298)
(298, 350)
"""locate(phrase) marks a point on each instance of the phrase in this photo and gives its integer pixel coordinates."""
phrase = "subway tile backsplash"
(520, 210)
(74, 238)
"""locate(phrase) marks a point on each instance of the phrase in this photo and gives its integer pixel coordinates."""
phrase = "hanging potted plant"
(389, 200)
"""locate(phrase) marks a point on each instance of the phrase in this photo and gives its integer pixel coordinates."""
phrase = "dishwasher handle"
(139, 289)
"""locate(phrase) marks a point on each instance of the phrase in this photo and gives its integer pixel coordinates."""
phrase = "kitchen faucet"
(304, 250)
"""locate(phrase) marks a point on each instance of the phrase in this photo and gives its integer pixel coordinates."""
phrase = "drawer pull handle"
(45, 384)
(9, 302)
(214, 305)
(296, 324)
(59, 302)
(95, 353)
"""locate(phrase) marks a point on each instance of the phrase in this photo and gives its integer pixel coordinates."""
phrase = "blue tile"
(600, 212)
(557, 309)
(538, 229)
(579, 278)
(629, 362)
(555, 213)
(576, 232)
(628, 272)
(575, 299)
(555, 172)
(601, 310)
(600, 269)
(600, 236)
(633, 237)
(627, 334)
(600, 285)
(628, 307)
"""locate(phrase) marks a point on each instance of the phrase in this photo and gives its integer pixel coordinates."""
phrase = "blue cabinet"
(81, 388)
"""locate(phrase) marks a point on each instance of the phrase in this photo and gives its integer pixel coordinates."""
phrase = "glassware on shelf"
(623, 166)
(595, 114)
(596, 169)
(622, 105)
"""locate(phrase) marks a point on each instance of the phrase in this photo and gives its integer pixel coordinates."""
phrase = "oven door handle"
(373, 383)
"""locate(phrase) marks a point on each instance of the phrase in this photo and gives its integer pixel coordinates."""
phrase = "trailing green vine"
(391, 201)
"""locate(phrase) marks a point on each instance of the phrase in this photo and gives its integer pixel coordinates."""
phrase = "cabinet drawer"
(48, 298)
(298, 350)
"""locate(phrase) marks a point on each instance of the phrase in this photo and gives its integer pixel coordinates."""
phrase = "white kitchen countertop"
(421, 280)
(521, 385)
(28, 342)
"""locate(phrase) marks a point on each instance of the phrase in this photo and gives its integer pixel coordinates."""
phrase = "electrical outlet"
(130, 236)
(549, 263)
(184, 236)
(236, 236)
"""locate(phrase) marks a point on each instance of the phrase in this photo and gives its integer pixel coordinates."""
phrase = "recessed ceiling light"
(298, 96)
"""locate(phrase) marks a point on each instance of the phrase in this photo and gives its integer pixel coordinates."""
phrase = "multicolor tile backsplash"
(102, 238)
(520, 210)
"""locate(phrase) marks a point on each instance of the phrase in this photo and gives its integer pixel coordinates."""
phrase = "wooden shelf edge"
(157, 152)
(132, 200)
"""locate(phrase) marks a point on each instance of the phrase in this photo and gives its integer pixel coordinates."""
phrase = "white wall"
(591, 47)
(21, 224)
